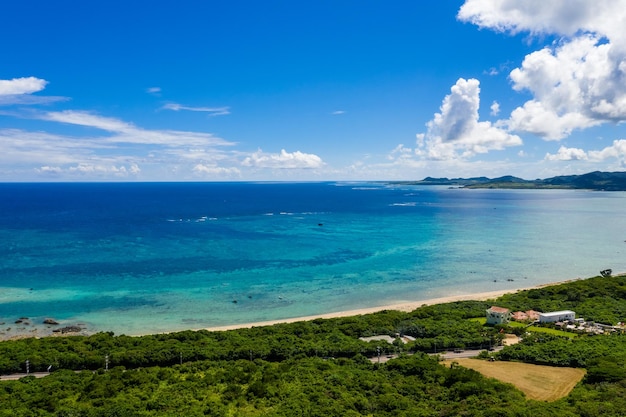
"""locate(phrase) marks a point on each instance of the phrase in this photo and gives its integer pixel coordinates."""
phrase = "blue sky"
(310, 90)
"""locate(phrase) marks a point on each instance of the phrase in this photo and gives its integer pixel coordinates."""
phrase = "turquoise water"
(144, 258)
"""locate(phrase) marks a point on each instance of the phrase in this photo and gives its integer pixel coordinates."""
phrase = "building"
(555, 316)
(498, 315)
(530, 315)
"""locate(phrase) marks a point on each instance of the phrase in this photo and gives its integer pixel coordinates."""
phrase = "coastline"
(38, 331)
(406, 306)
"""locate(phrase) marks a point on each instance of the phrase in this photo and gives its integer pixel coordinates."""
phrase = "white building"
(554, 316)
(498, 315)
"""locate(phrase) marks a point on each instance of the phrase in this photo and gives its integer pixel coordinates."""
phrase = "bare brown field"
(542, 383)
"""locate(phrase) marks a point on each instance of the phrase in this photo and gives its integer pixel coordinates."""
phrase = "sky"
(325, 90)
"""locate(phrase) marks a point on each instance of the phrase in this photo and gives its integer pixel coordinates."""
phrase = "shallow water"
(144, 258)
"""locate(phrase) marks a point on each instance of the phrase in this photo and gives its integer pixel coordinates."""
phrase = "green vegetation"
(550, 330)
(321, 367)
(602, 181)
(599, 299)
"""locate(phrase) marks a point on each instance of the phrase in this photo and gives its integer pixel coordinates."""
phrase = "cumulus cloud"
(616, 151)
(567, 17)
(567, 154)
(213, 111)
(577, 82)
(575, 86)
(214, 170)
(18, 92)
(457, 132)
(495, 108)
(283, 160)
(24, 85)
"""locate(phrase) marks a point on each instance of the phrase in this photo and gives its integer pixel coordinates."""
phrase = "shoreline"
(406, 306)
(39, 331)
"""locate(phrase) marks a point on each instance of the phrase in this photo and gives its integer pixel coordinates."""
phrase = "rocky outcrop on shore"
(25, 327)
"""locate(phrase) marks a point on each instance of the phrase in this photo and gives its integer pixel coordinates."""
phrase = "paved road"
(14, 377)
(465, 353)
(444, 355)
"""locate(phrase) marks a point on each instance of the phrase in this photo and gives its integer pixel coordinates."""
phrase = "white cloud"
(567, 154)
(213, 170)
(24, 85)
(129, 133)
(88, 119)
(338, 112)
(574, 87)
(284, 159)
(495, 108)
(154, 90)
(577, 82)
(401, 151)
(214, 111)
(18, 146)
(87, 169)
(616, 151)
(112, 148)
(567, 17)
(27, 99)
(18, 92)
(49, 170)
(457, 133)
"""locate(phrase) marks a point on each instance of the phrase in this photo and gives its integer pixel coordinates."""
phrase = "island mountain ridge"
(597, 180)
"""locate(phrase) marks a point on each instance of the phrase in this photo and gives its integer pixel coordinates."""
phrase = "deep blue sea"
(140, 258)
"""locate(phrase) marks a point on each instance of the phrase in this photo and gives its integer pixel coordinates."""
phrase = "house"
(498, 315)
(530, 315)
(556, 316)
(519, 316)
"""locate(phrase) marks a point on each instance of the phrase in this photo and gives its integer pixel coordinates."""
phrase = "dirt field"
(542, 383)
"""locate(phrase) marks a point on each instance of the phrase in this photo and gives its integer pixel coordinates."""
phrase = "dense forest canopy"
(321, 367)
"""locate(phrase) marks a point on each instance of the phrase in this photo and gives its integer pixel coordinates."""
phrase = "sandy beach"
(31, 329)
(406, 306)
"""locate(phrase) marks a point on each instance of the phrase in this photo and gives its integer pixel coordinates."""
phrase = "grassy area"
(481, 320)
(535, 329)
(554, 332)
(542, 383)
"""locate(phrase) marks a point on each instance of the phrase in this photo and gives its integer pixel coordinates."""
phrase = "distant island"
(599, 181)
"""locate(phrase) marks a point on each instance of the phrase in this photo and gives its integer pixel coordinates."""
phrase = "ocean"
(137, 258)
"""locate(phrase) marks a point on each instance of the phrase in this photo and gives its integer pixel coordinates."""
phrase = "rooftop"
(495, 309)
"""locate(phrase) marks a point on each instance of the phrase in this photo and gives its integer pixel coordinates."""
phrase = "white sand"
(404, 306)
(33, 330)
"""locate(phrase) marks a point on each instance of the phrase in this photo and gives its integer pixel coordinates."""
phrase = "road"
(375, 359)
(444, 355)
(14, 377)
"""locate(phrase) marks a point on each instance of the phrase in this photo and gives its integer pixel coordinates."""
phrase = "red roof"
(495, 309)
